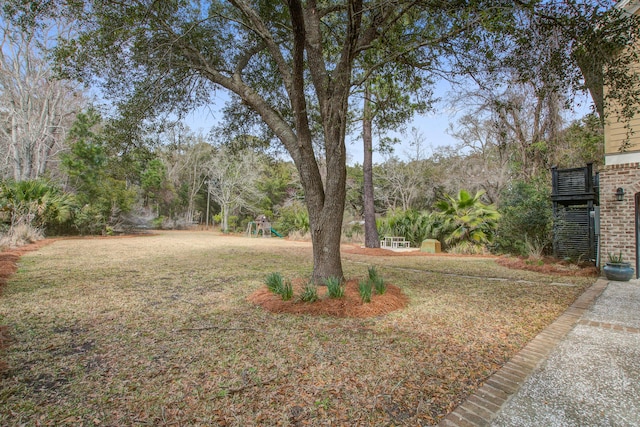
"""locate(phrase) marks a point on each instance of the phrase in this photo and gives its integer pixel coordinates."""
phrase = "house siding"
(616, 133)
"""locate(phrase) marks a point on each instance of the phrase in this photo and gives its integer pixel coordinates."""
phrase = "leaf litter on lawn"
(159, 330)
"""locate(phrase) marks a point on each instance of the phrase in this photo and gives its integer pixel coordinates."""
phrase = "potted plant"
(617, 269)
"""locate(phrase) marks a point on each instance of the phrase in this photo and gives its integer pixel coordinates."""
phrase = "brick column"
(617, 219)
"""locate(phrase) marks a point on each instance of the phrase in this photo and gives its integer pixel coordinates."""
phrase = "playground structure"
(261, 225)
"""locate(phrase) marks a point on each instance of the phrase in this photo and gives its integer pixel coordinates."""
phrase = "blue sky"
(432, 126)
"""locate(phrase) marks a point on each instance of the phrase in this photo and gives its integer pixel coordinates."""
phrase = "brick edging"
(484, 404)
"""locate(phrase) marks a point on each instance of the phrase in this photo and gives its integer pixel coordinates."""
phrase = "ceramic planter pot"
(619, 271)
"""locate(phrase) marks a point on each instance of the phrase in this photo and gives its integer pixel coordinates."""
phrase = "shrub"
(376, 281)
(277, 285)
(89, 220)
(309, 293)
(35, 203)
(292, 218)
(365, 288)
(286, 292)
(412, 225)
(274, 283)
(527, 216)
(335, 288)
(158, 222)
(466, 220)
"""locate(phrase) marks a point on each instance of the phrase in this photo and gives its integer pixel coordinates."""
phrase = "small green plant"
(324, 403)
(616, 259)
(380, 285)
(275, 283)
(373, 273)
(365, 288)
(378, 282)
(309, 293)
(286, 292)
(335, 289)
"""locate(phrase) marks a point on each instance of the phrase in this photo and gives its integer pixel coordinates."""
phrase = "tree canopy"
(292, 64)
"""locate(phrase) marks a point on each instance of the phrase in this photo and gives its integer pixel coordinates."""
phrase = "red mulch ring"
(549, 265)
(350, 305)
(8, 266)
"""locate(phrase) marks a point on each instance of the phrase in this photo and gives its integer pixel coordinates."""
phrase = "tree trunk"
(325, 205)
(371, 238)
(15, 148)
(326, 229)
(225, 218)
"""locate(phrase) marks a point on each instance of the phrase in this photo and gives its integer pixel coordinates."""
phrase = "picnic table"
(394, 242)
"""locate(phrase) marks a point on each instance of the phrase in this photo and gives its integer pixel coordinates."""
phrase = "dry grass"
(20, 235)
(157, 330)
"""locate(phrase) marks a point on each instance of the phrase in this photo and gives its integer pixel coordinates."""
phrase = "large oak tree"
(292, 63)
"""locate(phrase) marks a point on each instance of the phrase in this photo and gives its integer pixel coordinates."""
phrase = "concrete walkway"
(582, 370)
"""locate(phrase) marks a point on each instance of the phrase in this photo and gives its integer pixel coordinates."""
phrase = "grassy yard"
(157, 330)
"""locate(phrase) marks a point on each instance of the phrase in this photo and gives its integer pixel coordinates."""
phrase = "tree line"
(180, 179)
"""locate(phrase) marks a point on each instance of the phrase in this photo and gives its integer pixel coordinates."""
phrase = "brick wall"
(617, 219)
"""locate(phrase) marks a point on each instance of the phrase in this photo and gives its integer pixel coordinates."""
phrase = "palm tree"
(36, 203)
(466, 221)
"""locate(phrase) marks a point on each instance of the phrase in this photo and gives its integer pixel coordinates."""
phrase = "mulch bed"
(549, 265)
(350, 305)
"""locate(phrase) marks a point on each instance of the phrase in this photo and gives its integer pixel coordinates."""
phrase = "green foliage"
(89, 219)
(365, 288)
(335, 287)
(158, 222)
(287, 291)
(276, 182)
(152, 179)
(372, 272)
(615, 259)
(101, 196)
(36, 203)
(353, 230)
(466, 218)
(309, 293)
(277, 285)
(526, 217)
(275, 282)
(412, 225)
(378, 282)
(584, 143)
(354, 196)
(292, 218)
(86, 162)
